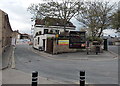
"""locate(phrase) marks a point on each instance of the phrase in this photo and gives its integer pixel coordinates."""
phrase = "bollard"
(87, 46)
(82, 78)
(34, 78)
(96, 49)
(87, 51)
(105, 44)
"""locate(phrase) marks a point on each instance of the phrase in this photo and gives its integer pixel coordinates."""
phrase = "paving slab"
(0, 77)
(6, 56)
(13, 76)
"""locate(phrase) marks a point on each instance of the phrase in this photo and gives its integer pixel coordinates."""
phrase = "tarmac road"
(97, 72)
(115, 49)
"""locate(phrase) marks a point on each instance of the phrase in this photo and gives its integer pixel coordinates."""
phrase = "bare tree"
(96, 16)
(37, 10)
(64, 10)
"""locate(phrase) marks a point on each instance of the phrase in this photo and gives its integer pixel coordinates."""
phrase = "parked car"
(30, 43)
(23, 41)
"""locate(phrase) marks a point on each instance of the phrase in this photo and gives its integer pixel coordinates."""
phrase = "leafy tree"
(65, 10)
(115, 21)
(96, 16)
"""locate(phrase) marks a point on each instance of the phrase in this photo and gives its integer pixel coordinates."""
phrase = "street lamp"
(32, 28)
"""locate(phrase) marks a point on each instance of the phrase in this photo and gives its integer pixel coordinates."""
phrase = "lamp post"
(32, 28)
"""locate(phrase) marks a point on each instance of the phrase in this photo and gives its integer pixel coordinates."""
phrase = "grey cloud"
(18, 15)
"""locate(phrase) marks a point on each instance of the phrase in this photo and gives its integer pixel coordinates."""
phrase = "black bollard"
(105, 44)
(87, 46)
(96, 49)
(82, 78)
(34, 78)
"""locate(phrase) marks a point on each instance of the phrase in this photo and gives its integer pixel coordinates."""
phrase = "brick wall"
(0, 31)
(5, 31)
(61, 48)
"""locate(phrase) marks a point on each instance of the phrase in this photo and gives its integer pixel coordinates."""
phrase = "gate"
(49, 46)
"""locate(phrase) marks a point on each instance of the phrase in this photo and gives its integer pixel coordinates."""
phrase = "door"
(43, 44)
(49, 47)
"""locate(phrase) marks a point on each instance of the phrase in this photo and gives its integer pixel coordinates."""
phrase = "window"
(57, 31)
(38, 39)
(51, 31)
(40, 33)
(45, 31)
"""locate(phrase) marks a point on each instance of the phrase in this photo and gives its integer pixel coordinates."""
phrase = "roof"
(16, 31)
(53, 22)
(25, 34)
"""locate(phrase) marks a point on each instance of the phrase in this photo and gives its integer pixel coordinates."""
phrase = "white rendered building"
(42, 32)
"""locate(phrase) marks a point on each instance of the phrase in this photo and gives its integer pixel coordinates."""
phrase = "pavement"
(19, 77)
(6, 57)
(6, 60)
(0, 77)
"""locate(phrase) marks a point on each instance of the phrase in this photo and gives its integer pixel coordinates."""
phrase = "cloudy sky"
(19, 17)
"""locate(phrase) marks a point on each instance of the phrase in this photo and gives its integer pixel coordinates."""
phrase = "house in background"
(24, 36)
(112, 40)
(117, 42)
(16, 34)
(15, 37)
(48, 27)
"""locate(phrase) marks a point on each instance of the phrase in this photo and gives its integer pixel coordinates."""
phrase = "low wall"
(93, 47)
(56, 47)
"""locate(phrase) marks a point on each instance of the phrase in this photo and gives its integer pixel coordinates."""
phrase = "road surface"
(115, 49)
(97, 72)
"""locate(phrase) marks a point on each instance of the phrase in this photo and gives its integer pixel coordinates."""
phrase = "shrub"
(90, 38)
